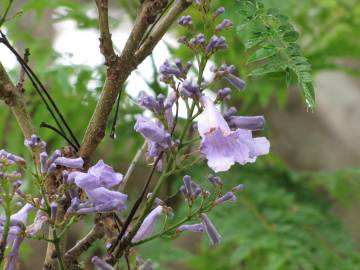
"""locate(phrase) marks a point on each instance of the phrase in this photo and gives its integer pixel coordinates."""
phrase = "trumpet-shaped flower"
(148, 225)
(223, 147)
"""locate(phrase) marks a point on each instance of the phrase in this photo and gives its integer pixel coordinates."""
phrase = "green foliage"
(271, 42)
(279, 222)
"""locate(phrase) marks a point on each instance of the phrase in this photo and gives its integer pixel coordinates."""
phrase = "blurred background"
(300, 209)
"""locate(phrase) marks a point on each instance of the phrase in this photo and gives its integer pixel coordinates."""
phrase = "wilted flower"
(223, 147)
(148, 225)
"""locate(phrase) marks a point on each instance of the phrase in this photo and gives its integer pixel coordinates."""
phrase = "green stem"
(7, 209)
(56, 242)
(3, 18)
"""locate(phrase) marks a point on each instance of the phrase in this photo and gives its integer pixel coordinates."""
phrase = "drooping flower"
(99, 175)
(148, 225)
(210, 229)
(223, 147)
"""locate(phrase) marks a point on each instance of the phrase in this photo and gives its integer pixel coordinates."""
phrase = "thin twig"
(132, 166)
(20, 84)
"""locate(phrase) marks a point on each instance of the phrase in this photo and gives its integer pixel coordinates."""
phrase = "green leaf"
(262, 54)
(267, 68)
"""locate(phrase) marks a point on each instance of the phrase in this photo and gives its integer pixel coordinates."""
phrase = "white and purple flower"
(222, 146)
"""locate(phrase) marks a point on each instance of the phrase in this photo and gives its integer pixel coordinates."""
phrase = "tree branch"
(120, 69)
(97, 232)
(12, 98)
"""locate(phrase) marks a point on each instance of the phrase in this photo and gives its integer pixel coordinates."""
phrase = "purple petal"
(235, 81)
(148, 225)
(210, 229)
(74, 163)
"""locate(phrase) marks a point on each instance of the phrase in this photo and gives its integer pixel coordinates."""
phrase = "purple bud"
(211, 44)
(65, 174)
(101, 264)
(43, 160)
(185, 20)
(224, 93)
(247, 122)
(187, 183)
(51, 168)
(74, 163)
(228, 196)
(210, 229)
(54, 205)
(230, 112)
(238, 188)
(224, 24)
(54, 156)
(189, 89)
(157, 200)
(220, 10)
(215, 180)
(235, 81)
(191, 228)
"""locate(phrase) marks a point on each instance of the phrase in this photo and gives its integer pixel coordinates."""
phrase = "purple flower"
(247, 122)
(40, 219)
(74, 163)
(99, 175)
(230, 112)
(152, 132)
(35, 142)
(238, 188)
(219, 11)
(223, 93)
(185, 20)
(14, 254)
(223, 147)
(102, 200)
(210, 229)
(216, 43)
(191, 228)
(224, 24)
(215, 180)
(168, 104)
(235, 81)
(148, 225)
(226, 72)
(99, 263)
(43, 162)
(17, 223)
(228, 196)
(189, 89)
(11, 158)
